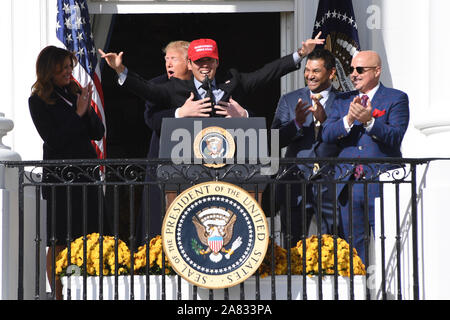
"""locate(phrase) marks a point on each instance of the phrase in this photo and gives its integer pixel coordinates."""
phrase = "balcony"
(393, 250)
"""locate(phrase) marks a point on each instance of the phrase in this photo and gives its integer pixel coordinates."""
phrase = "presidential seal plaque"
(215, 235)
(214, 145)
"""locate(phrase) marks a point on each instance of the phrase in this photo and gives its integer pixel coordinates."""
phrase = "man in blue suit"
(299, 117)
(369, 122)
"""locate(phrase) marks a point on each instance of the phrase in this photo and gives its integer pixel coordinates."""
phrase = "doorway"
(246, 42)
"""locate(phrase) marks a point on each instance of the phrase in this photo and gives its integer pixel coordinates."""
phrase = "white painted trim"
(97, 7)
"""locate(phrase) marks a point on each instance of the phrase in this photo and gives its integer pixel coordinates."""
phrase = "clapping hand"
(358, 112)
(301, 111)
(84, 100)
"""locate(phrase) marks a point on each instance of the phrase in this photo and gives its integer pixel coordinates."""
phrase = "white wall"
(26, 26)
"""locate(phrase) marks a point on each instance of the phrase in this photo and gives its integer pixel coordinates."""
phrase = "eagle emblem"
(214, 226)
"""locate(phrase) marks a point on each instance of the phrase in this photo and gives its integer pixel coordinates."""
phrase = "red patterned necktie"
(364, 99)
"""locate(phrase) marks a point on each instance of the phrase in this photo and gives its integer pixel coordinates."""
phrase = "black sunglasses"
(360, 70)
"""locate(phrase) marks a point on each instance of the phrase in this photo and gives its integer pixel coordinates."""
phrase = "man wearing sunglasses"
(369, 122)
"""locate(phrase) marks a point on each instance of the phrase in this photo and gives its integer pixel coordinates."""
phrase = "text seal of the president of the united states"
(215, 235)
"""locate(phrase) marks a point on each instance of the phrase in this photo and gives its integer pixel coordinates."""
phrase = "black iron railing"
(124, 189)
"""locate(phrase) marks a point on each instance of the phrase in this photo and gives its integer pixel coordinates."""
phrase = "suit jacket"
(172, 94)
(391, 113)
(301, 143)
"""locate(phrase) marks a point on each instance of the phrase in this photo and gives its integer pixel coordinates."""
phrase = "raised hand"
(309, 45)
(114, 60)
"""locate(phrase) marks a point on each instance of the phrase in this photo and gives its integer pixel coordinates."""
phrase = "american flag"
(73, 29)
(336, 20)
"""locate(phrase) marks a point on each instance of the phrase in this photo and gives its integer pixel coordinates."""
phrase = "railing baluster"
(84, 200)
(350, 239)
(116, 242)
(37, 241)
(319, 239)
(366, 235)
(304, 235)
(20, 284)
(382, 244)
(69, 237)
(335, 244)
(100, 239)
(288, 241)
(415, 253)
(398, 241)
(132, 240)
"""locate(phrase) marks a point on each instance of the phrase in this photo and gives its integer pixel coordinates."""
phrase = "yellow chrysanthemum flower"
(312, 258)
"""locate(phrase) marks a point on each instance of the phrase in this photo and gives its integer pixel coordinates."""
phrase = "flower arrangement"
(155, 257)
(312, 258)
(93, 256)
(124, 257)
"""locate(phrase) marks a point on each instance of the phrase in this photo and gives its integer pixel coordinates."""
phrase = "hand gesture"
(309, 45)
(231, 109)
(84, 100)
(318, 110)
(198, 108)
(301, 111)
(358, 112)
(113, 60)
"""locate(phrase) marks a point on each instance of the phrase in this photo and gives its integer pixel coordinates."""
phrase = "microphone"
(206, 85)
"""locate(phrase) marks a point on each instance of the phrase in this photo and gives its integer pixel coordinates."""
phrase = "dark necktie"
(207, 86)
(359, 169)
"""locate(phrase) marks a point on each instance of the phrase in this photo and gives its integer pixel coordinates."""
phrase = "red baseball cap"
(202, 48)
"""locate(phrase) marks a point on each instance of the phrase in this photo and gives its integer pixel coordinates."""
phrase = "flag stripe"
(73, 29)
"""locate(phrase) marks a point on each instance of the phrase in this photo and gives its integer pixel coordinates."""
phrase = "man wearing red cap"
(203, 60)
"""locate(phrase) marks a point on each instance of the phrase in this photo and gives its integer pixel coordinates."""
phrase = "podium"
(205, 149)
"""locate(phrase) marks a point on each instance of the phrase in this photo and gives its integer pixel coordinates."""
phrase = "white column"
(411, 40)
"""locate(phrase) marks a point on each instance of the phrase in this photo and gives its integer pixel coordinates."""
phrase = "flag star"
(80, 53)
(82, 6)
(69, 38)
(317, 25)
(67, 23)
(334, 14)
(58, 26)
(344, 17)
(78, 23)
(66, 8)
(328, 14)
(350, 20)
(80, 36)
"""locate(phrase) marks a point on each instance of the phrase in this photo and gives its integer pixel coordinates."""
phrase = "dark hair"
(50, 60)
(325, 55)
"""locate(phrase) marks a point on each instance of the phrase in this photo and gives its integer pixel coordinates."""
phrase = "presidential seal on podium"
(214, 145)
(215, 235)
